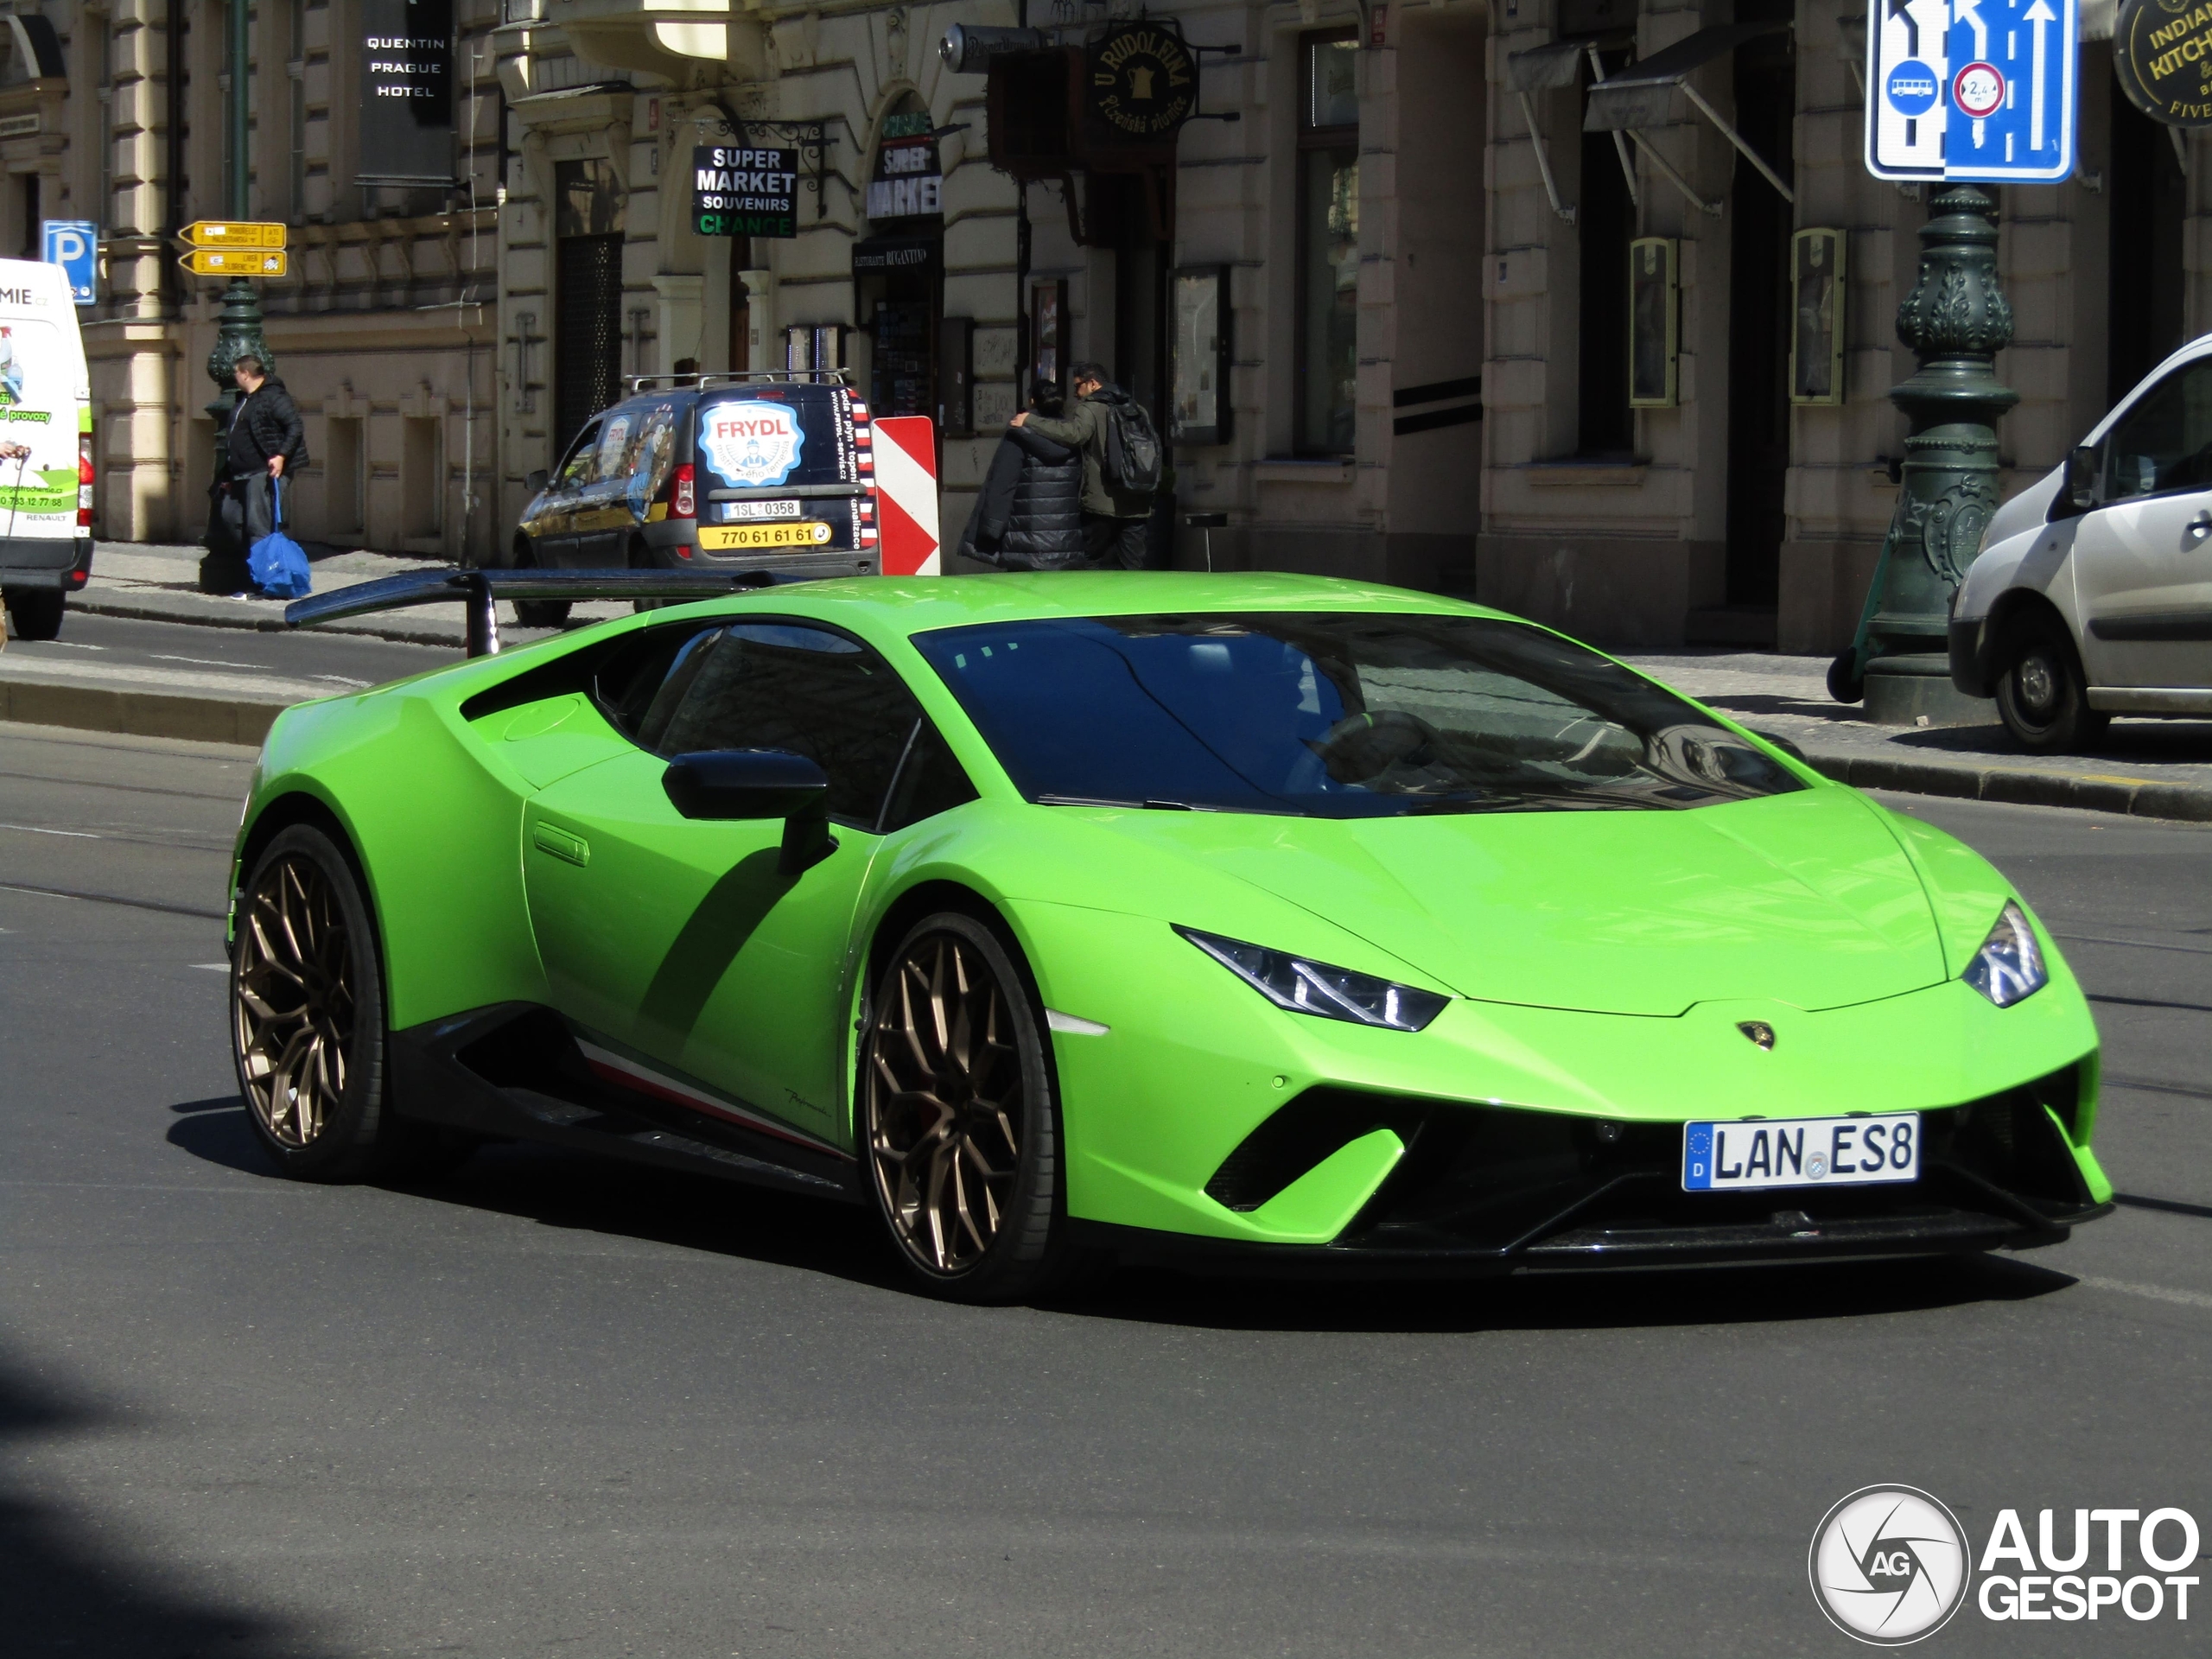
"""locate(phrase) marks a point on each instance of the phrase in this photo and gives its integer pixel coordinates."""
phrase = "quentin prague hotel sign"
(1142, 83)
(407, 91)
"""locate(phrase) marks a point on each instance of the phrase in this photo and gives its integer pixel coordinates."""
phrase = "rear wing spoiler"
(482, 590)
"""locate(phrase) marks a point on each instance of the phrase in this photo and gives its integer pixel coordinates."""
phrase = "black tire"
(307, 1009)
(926, 1126)
(1847, 681)
(2042, 694)
(537, 612)
(36, 611)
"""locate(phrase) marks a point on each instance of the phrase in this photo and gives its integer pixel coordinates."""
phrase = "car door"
(2143, 557)
(687, 962)
(552, 527)
(603, 518)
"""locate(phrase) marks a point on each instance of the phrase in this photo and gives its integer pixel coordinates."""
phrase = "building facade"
(385, 328)
(1416, 298)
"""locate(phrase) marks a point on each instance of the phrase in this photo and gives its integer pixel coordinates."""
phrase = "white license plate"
(1749, 1153)
(754, 511)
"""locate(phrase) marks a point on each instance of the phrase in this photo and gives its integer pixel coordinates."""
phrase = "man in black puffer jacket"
(1029, 516)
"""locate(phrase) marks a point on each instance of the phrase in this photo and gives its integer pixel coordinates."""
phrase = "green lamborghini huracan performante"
(1257, 920)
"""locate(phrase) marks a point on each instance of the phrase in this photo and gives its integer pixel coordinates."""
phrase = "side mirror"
(2084, 468)
(536, 482)
(720, 784)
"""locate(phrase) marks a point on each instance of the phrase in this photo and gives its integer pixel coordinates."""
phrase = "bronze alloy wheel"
(294, 1002)
(957, 1126)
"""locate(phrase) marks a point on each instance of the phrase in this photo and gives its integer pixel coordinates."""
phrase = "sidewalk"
(2147, 767)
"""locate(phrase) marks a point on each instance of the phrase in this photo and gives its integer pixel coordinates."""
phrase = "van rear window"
(765, 437)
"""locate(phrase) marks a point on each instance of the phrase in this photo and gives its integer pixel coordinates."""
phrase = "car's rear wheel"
(2043, 695)
(36, 611)
(641, 558)
(960, 1128)
(307, 1014)
(537, 612)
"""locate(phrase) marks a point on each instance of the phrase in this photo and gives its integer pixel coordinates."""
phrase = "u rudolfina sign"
(2162, 57)
(1142, 83)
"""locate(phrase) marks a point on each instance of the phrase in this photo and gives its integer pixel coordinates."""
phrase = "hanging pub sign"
(407, 91)
(739, 190)
(2162, 57)
(1141, 85)
(909, 178)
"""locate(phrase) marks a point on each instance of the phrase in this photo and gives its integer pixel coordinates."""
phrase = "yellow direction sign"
(236, 262)
(234, 234)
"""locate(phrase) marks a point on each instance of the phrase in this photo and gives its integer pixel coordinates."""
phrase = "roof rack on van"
(638, 383)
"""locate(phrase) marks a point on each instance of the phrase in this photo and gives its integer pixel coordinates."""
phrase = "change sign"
(1981, 91)
(739, 191)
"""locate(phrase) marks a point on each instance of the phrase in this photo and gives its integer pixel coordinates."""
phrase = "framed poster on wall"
(1048, 336)
(1654, 316)
(1816, 317)
(1198, 411)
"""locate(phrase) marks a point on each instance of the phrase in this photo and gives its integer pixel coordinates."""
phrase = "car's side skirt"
(517, 1070)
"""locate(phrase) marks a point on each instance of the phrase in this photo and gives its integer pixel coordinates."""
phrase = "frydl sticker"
(752, 443)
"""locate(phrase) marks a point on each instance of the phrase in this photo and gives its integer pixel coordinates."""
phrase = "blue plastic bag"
(278, 565)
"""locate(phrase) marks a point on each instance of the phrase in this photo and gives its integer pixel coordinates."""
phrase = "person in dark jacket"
(1116, 524)
(265, 441)
(1029, 516)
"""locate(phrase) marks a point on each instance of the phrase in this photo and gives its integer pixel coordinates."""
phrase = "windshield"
(1336, 717)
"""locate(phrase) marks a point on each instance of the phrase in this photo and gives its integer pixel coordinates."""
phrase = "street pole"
(239, 325)
(1956, 320)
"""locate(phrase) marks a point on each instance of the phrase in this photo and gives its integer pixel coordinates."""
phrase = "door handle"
(559, 843)
(2200, 526)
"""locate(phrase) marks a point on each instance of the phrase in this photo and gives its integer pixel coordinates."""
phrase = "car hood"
(1807, 899)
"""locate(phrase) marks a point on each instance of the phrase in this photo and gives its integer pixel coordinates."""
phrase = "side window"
(576, 470)
(2164, 443)
(780, 685)
(614, 445)
(930, 782)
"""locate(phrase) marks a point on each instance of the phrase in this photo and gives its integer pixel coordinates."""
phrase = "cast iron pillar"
(1956, 319)
(239, 325)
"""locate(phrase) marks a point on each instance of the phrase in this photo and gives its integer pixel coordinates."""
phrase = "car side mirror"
(2084, 465)
(536, 482)
(722, 785)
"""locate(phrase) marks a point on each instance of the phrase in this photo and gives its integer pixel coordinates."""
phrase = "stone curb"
(428, 632)
(217, 719)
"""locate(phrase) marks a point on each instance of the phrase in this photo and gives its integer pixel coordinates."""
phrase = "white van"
(46, 448)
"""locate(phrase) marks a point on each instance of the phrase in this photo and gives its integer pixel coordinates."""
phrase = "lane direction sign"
(1981, 91)
(234, 234)
(238, 262)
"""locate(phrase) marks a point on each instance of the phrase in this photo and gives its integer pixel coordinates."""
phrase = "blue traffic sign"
(73, 244)
(1980, 91)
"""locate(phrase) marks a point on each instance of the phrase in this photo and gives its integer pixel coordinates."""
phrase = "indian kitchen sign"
(737, 190)
(2162, 57)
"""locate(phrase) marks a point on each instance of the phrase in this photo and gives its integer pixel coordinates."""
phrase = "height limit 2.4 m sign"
(1985, 92)
(737, 190)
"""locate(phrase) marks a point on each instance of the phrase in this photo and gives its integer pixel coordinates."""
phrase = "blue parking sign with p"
(1980, 91)
(73, 244)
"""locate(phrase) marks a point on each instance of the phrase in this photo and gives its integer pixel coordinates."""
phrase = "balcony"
(673, 39)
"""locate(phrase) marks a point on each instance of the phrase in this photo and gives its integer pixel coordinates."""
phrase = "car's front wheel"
(307, 1014)
(959, 1125)
(2043, 695)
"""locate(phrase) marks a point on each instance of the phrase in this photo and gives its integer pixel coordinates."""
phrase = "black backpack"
(1131, 463)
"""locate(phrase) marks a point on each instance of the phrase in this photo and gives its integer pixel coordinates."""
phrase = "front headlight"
(2009, 965)
(1307, 987)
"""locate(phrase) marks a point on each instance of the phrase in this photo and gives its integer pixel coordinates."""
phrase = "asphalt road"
(547, 1405)
(188, 651)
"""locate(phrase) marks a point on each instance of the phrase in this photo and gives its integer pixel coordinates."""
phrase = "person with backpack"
(1029, 514)
(1120, 466)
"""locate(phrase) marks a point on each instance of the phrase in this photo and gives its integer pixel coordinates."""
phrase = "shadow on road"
(68, 1587)
(558, 1188)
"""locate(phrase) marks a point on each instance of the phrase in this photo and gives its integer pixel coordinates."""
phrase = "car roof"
(913, 605)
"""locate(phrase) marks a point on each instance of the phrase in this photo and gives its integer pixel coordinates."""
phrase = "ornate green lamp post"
(222, 570)
(1956, 320)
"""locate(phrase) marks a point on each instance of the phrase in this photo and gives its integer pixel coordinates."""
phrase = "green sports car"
(1261, 920)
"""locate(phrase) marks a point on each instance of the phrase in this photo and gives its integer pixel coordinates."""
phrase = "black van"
(742, 471)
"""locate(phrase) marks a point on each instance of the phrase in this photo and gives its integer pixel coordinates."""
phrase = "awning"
(1543, 68)
(1643, 95)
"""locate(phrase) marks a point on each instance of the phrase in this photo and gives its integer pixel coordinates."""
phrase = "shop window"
(589, 209)
(1328, 244)
(898, 271)
(1604, 424)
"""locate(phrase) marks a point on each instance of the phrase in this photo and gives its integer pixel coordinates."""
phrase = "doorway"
(1759, 322)
(2144, 286)
(588, 211)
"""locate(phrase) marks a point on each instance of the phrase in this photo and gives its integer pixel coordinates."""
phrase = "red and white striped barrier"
(906, 479)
